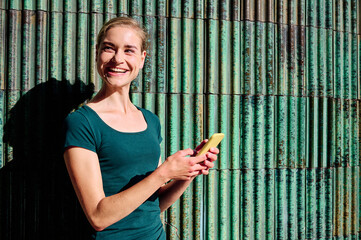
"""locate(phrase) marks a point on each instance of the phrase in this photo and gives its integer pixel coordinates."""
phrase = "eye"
(129, 50)
(107, 48)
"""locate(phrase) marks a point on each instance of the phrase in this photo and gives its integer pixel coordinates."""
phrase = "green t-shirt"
(125, 159)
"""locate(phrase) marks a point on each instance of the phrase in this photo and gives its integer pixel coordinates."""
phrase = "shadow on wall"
(37, 199)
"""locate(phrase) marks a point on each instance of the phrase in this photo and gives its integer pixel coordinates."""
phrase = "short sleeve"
(159, 129)
(78, 132)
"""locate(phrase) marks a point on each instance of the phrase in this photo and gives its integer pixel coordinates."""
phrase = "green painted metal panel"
(280, 78)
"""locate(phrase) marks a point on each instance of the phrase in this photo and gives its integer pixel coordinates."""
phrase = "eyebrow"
(131, 46)
(108, 43)
(126, 46)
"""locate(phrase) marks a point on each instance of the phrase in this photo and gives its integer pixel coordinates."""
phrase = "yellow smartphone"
(212, 142)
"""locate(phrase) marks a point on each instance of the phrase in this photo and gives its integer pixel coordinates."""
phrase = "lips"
(117, 70)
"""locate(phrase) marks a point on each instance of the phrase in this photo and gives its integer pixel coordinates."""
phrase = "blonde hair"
(127, 22)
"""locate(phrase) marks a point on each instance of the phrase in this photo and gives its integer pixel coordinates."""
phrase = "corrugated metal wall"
(281, 78)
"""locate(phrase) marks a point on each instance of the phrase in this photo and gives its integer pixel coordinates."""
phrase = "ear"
(144, 53)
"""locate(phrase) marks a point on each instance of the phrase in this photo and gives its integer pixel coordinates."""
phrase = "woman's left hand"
(211, 157)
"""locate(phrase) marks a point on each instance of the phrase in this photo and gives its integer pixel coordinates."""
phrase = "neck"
(112, 99)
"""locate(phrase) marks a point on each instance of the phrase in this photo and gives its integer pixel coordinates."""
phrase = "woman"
(112, 149)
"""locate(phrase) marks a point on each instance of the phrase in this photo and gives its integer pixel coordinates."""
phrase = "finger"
(194, 173)
(205, 172)
(214, 150)
(198, 167)
(186, 152)
(211, 157)
(199, 147)
(208, 164)
(198, 159)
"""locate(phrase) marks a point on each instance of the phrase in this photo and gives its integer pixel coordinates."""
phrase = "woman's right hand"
(182, 166)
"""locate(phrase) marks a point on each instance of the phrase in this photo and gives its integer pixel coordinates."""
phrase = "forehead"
(122, 34)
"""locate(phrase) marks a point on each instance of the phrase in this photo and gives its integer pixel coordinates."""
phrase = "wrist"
(161, 172)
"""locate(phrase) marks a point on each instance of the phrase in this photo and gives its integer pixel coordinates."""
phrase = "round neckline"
(97, 115)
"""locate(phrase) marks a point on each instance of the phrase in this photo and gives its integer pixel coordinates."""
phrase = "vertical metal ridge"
(188, 10)
(260, 57)
(247, 204)
(187, 76)
(123, 8)
(110, 9)
(96, 22)
(14, 64)
(56, 46)
(96, 6)
(247, 133)
(69, 55)
(270, 132)
(174, 55)
(259, 132)
(225, 67)
(312, 62)
(235, 61)
(223, 123)
(83, 6)
(355, 129)
(301, 132)
(82, 52)
(293, 83)
(354, 201)
(281, 134)
(70, 6)
(211, 201)
(235, 203)
(3, 47)
(175, 9)
(198, 133)
(281, 43)
(248, 62)
(291, 203)
(199, 56)
(312, 134)
(42, 48)
(301, 203)
(149, 70)
(223, 218)
(28, 50)
(354, 68)
(270, 201)
(29, 5)
(346, 133)
(213, 56)
(346, 214)
(173, 115)
(281, 203)
(186, 136)
(161, 54)
(293, 133)
(310, 203)
(15, 5)
(329, 201)
(212, 9)
(235, 132)
(329, 69)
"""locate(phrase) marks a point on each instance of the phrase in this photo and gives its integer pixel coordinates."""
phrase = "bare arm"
(84, 170)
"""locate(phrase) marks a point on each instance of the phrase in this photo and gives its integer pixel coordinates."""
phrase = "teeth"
(117, 70)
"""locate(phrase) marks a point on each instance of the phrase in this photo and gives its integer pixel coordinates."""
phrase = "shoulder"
(79, 117)
(149, 115)
(77, 114)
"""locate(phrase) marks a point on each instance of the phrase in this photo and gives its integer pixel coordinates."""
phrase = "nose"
(118, 57)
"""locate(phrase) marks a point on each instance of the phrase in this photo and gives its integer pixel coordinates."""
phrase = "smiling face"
(120, 56)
